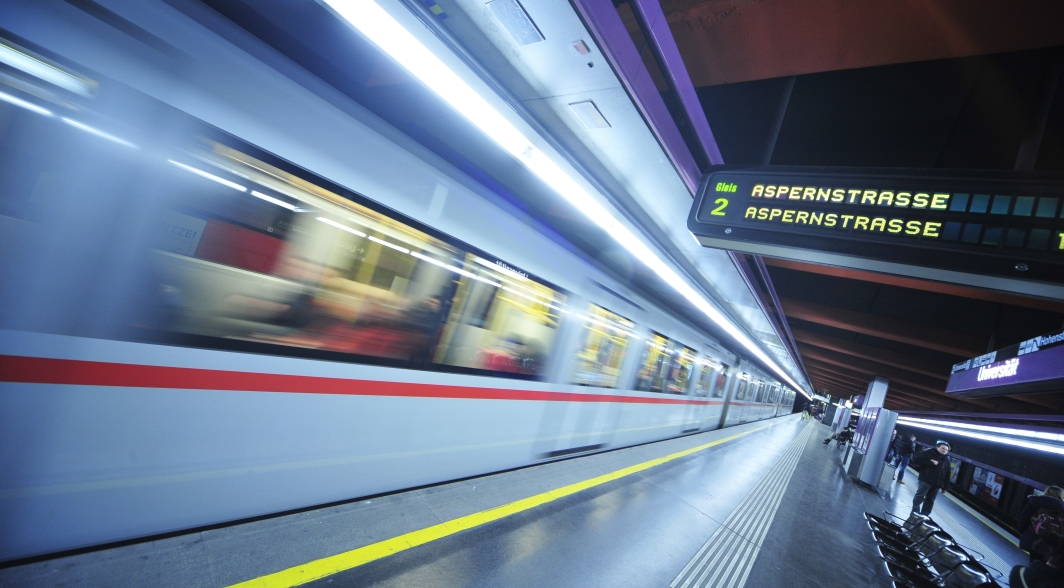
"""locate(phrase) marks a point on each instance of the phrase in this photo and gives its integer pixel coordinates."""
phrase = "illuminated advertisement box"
(1035, 365)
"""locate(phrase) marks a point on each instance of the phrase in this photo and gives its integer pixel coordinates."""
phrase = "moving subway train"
(225, 297)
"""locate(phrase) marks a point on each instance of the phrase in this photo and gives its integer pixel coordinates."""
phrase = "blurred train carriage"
(160, 274)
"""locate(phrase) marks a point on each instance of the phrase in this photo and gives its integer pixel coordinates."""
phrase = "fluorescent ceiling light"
(210, 177)
(44, 71)
(457, 270)
(23, 104)
(333, 223)
(952, 429)
(380, 28)
(532, 298)
(608, 326)
(97, 132)
(387, 244)
(1056, 437)
(273, 200)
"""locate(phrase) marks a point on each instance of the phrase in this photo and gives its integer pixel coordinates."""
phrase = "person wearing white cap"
(934, 476)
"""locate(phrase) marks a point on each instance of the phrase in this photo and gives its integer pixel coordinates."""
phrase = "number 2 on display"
(721, 203)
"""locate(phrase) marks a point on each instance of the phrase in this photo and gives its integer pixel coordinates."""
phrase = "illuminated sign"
(1006, 369)
(1035, 365)
(1004, 224)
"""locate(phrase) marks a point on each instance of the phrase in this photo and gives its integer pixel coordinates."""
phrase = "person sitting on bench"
(841, 437)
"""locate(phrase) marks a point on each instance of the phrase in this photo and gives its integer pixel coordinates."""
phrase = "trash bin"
(887, 476)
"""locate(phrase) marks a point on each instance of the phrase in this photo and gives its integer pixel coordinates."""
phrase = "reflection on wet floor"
(819, 537)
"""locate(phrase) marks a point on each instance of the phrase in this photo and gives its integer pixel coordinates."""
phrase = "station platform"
(761, 504)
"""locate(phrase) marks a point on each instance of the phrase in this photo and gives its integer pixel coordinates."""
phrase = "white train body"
(109, 432)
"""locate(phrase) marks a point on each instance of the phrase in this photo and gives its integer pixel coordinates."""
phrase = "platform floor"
(762, 504)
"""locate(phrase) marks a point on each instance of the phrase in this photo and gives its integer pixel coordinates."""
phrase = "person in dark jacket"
(1051, 499)
(1037, 575)
(890, 447)
(934, 476)
(904, 448)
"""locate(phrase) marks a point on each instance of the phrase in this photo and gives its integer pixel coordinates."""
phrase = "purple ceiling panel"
(605, 24)
(659, 35)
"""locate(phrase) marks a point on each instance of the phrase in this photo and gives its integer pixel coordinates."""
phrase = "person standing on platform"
(890, 447)
(934, 476)
(904, 448)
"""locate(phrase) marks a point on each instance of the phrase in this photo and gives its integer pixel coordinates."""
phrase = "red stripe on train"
(38, 370)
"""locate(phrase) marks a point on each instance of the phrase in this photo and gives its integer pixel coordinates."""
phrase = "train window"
(501, 320)
(707, 377)
(759, 391)
(721, 381)
(683, 363)
(744, 383)
(651, 377)
(284, 261)
(605, 340)
(666, 366)
(250, 252)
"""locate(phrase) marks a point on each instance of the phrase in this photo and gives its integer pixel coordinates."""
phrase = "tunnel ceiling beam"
(952, 342)
(874, 368)
(906, 362)
(844, 386)
(922, 285)
(842, 366)
(852, 386)
(849, 365)
(727, 41)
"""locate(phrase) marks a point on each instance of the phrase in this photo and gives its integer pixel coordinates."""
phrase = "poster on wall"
(954, 469)
(987, 486)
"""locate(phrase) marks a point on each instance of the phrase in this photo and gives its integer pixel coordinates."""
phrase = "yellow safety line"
(976, 514)
(983, 520)
(327, 566)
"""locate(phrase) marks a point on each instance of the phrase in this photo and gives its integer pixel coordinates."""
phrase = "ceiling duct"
(512, 16)
(589, 114)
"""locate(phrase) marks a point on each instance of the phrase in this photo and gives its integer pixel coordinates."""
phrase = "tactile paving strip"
(725, 560)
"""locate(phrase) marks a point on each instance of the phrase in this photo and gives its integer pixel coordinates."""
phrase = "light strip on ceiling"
(273, 200)
(97, 132)
(454, 269)
(380, 28)
(389, 245)
(209, 176)
(953, 430)
(35, 67)
(342, 227)
(24, 104)
(1056, 437)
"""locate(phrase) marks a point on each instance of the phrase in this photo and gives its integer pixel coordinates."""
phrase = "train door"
(732, 408)
(759, 399)
(599, 342)
(696, 413)
(681, 381)
(739, 398)
(711, 387)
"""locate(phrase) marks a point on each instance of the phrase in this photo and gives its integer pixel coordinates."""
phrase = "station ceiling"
(946, 84)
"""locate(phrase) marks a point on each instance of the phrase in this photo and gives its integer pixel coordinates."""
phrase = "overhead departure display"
(1003, 224)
